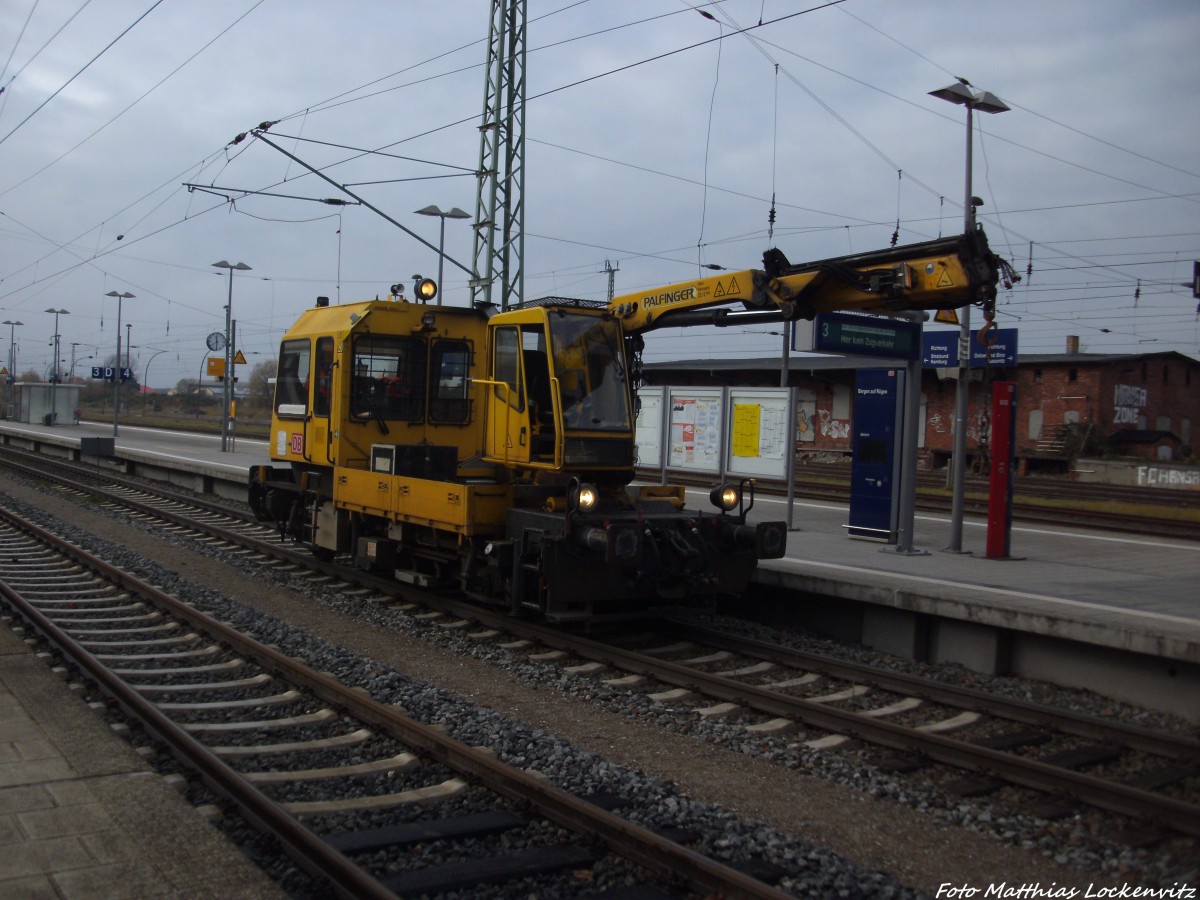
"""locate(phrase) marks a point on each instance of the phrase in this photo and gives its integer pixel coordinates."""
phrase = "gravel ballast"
(844, 828)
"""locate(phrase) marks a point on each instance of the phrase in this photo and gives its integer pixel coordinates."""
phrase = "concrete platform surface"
(1118, 590)
(81, 814)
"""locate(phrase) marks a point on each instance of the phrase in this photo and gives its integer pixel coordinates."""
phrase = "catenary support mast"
(499, 259)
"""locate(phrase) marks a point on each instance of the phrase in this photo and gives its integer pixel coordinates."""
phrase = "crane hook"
(990, 332)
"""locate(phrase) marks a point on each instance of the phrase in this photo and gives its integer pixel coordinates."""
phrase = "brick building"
(1137, 405)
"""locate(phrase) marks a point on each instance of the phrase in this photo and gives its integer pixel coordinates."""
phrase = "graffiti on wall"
(831, 427)
(806, 412)
(1128, 402)
(1159, 476)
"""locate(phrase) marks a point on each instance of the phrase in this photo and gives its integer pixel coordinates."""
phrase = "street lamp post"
(228, 393)
(76, 358)
(454, 213)
(117, 374)
(12, 360)
(146, 379)
(54, 382)
(962, 94)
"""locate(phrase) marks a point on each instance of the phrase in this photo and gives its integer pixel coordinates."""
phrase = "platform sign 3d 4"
(108, 373)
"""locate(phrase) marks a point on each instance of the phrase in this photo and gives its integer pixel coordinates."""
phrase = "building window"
(923, 419)
(1037, 376)
(841, 401)
(1035, 424)
(1072, 374)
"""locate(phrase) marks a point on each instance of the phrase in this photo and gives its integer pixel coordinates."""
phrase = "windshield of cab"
(589, 362)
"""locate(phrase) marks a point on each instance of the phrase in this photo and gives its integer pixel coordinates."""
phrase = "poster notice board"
(695, 429)
(648, 429)
(758, 432)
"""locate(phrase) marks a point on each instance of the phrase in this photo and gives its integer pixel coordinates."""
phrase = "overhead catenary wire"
(1097, 259)
(85, 67)
(4, 88)
(131, 105)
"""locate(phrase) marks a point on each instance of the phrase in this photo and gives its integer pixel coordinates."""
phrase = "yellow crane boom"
(946, 273)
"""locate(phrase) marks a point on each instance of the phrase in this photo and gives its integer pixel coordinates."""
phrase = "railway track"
(817, 702)
(249, 720)
(825, 703)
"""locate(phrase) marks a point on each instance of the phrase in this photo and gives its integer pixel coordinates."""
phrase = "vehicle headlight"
(425, 289)
(725, 497)
(586, 497)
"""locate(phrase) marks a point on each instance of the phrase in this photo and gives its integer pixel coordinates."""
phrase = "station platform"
(1117, 613)
(83, 816)
(1077, 578)
(1113, 612)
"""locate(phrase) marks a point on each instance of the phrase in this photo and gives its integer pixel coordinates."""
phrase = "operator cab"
(559, 392)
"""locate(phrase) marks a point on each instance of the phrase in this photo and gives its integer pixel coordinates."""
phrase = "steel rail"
(624, 838)
(303, 846)
(1182, 816)
(1176, 746)
(1084, 788)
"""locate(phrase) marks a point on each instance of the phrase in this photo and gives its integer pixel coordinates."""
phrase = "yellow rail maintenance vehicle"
(493, 452)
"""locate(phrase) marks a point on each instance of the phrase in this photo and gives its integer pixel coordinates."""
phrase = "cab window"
(324, 370)
(291, 381)
(450, 368)
(388, 378)
(507, 366)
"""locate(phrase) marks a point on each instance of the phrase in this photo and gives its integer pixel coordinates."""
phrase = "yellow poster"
(746, 425)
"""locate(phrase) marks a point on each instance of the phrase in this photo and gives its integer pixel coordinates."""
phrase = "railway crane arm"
(945, 273)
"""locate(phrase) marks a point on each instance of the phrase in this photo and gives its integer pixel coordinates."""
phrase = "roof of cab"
(341, 319)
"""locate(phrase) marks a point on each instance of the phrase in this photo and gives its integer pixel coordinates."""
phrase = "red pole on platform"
(1000, 486)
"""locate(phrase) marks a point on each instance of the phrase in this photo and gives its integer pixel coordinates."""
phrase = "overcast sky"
(651, 148)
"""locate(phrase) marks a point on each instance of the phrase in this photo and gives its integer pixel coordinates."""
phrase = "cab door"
(508, 428)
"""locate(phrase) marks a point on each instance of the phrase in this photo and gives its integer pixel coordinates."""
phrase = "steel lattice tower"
(500, 204)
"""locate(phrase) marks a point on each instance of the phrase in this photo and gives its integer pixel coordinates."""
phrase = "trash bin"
(48, 419)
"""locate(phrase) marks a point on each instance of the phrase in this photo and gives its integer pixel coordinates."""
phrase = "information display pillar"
(875, 469)
(1000, 486)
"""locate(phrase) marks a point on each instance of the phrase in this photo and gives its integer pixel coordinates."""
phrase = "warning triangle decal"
(944, 280)
(946, 316)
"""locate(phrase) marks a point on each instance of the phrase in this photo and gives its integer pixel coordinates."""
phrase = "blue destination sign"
(939, 349)
(108, 373)
(865, 336)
